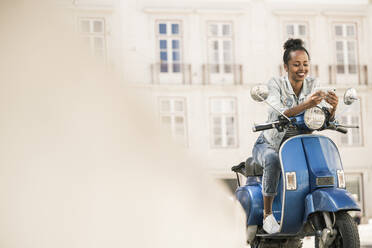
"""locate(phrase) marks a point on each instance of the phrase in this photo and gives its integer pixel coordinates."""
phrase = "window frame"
(169, 50)
(360, 176)
(224, 143)
(344, 39)
(91, 35)
(173, 114)
(295, 22)
(220, 39)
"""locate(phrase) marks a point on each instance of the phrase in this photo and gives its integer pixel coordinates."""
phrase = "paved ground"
(365, 233)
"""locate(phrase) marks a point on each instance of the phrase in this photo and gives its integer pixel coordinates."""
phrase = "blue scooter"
(312, 199)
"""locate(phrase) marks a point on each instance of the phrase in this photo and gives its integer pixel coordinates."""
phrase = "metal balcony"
(171, 73)
(230, 74)
(348, 74)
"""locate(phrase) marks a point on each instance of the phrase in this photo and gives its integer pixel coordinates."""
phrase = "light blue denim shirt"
(282, 97)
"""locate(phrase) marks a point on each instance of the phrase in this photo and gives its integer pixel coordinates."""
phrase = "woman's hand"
(332, 99)
(315, 98)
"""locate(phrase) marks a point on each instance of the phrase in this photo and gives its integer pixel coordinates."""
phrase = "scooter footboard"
(329, 200)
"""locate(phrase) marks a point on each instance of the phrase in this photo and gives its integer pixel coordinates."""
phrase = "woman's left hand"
(332, 99)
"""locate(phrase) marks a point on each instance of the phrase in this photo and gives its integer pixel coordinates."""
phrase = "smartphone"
(326, 89)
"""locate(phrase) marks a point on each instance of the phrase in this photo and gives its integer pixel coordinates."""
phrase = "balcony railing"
(171, 73)
(348, 74)
(222, 74)
(314, 71)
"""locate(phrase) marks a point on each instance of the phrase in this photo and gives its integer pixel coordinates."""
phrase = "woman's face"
(298, 66)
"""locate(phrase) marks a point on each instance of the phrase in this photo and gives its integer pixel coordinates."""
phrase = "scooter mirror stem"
(280, 113)
(259, 93)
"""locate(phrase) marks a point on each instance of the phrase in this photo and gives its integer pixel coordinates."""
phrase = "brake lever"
(283, 122)
(347, 126)
(336, 125)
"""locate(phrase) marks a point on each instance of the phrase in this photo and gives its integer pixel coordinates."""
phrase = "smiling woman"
(291, 95)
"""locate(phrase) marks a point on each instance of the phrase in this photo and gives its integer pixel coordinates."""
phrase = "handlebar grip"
(341, 130)
(262, 127)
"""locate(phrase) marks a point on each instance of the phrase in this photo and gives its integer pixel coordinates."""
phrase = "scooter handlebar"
(265, 126)
(340, 127)
(341, 130)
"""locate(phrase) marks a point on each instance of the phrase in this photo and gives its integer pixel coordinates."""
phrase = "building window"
(93, 32)
(351, 116)
(220, 47)
(297, 31)
(173, 115)
(354, 184)
(169, 39)
(346, 48)
(223, 122)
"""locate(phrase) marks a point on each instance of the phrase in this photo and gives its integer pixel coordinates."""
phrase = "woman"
(291, 94)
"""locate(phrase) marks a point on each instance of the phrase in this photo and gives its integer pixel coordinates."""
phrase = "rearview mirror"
(350, 96)
(260, 92)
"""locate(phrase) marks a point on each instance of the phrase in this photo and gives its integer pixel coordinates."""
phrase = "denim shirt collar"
(305, 90)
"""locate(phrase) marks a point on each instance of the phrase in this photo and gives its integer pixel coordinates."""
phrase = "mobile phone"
(326, 89)
(332, 90)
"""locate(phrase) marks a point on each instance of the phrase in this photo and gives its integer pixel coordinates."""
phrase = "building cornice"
(168, 10)
(92, 7)
(222, 11)
(236, 11)
(324, 13)
(295, 13)
(345, 13)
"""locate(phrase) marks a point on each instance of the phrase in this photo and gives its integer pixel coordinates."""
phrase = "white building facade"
(197, 61)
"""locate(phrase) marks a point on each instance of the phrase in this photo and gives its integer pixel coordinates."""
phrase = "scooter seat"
(240, 168)
(249, 168)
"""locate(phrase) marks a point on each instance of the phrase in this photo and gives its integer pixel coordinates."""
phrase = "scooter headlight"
(314, 118)
(341, 179)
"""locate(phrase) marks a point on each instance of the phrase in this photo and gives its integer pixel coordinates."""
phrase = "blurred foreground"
(82, 162)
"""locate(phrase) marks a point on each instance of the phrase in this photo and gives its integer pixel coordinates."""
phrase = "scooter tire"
(347, 232)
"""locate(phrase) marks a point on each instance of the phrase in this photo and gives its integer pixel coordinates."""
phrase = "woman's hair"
(292, 45)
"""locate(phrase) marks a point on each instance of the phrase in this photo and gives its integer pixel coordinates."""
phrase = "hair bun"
(293, 43)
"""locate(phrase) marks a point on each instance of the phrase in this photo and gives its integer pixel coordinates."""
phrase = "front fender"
(329, 200)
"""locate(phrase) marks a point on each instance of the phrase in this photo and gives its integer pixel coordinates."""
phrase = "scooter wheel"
(347, 232)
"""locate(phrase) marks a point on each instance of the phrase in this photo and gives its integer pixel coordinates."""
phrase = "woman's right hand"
(312, 101)
(315, 98)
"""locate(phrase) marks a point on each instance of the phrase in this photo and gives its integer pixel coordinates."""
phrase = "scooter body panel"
(329, 200)
(323, 159)
(250, 197)
(293, 161)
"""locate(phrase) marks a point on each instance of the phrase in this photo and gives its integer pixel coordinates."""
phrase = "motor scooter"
(312, 199)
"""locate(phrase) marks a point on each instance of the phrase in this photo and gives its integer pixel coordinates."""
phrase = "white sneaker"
(270, 225)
